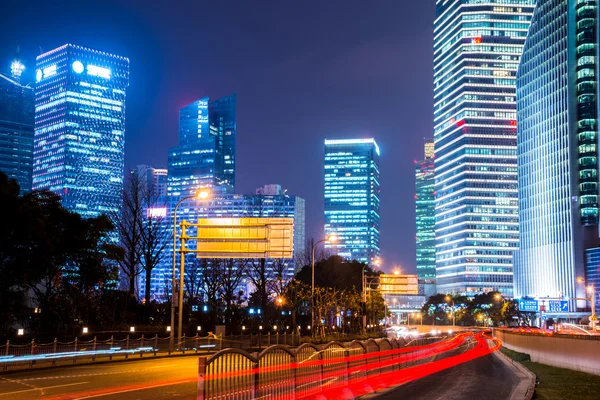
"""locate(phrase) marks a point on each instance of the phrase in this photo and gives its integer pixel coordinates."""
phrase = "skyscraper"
(80, 128)
(425, 215)
(152, 179)
(17, 115)
(557, 110)
(205, 157)
(477, 47)
(352, 198)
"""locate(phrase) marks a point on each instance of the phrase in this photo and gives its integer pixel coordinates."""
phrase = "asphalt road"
(485, 378)
(165, 378)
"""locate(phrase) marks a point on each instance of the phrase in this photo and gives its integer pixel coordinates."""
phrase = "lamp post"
(202, 195)
(592, 299)
(330, 239)
(448, 298)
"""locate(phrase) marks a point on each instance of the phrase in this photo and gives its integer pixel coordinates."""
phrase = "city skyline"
(277, 111)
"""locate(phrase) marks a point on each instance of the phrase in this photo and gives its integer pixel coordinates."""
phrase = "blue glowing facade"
(352, 198)
(205, 157)
(80, 128)
(592, 274)
(557, 152)
(17, 116)
(477, 47)
(425, 215)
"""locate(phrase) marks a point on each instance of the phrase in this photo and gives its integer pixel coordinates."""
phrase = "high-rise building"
(260, 205)
(17, 116)
(80, 128)
(352, 198)
(557, 110)
(205, 157)
(425, 215)
(477, 47)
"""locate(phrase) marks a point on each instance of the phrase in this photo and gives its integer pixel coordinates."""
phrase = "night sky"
(303, 71)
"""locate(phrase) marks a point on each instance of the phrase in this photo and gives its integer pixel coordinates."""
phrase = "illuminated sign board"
(558, 306)
(94, 70)
(528, 305)
(245, 238)
(156, 212)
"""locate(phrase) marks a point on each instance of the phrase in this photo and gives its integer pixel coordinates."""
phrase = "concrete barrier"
(576, 353)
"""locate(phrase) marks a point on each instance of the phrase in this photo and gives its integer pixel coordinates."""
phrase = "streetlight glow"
(84, 330)
(132, 329)
(203, 194)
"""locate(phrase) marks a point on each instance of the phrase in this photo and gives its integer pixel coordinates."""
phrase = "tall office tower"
(17, 116)
(352, 198)
(275, 204)
(80, 128)
(557, 110)
(425, 216)
(477, 47)
(205, 157)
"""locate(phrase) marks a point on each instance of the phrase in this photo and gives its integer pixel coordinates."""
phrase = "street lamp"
(331, 239)
(201, 195)
(448, 298)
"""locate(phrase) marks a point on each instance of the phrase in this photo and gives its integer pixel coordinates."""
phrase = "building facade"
(557, 153)
(477, 47)
(80, 128)
(17, 116)
(425, 215)
(153, 180)
(280, 205)
(352, 198)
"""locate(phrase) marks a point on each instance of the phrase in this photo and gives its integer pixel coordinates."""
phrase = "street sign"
(528, 305)
(558, 306)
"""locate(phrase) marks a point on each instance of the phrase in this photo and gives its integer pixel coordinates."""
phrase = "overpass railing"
(280, 372)
(34, 354)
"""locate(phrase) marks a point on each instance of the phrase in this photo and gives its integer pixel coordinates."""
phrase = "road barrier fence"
(280, 372)
(32, 354)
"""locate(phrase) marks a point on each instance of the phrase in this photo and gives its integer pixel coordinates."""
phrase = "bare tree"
(278, 277)
(153, 236)
(232, 274)
(128, 223)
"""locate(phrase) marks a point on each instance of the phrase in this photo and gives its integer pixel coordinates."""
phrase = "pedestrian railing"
(32, 354)
(279, 372)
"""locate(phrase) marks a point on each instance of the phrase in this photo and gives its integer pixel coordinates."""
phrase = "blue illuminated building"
(205, 156)
(477, 47)
(425, 216)
(352, 198)
(269, 202)
(17, 115)
(592, 275)
(557, 152)
(80, 128)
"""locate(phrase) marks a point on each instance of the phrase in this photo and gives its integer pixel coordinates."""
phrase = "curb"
(530, 376)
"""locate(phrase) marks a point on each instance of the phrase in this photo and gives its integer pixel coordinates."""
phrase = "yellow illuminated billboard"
(245, 238)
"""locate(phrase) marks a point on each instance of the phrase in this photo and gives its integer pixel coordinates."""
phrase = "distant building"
(238, 206)
(592, 273)
(352, 198)
(80, 128)
(557, 152)
(17, 117)
(425, 216)
(477, 46)
(152, 179)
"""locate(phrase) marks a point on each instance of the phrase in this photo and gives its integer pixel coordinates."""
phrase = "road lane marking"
(134, 389)
(43, 388)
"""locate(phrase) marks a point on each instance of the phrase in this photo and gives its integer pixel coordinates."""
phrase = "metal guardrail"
(279, 372)
(30, 355)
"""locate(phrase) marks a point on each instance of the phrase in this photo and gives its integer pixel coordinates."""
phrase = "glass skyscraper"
(17, 115)
(80, 128)
(477, 47)
(352, 198)
(205, 157)
(425, 215)
(557, 110)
